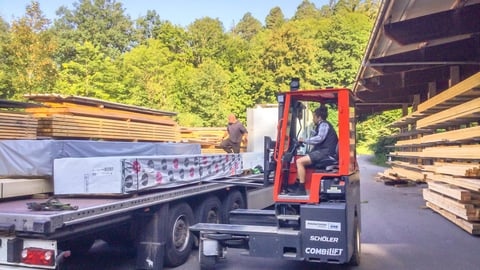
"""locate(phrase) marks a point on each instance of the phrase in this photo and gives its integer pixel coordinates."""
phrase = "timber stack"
(438, 143)
(94, 119)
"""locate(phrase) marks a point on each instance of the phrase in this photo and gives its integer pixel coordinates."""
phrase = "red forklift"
(322, 226)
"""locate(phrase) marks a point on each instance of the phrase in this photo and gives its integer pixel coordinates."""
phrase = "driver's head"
(321, 112)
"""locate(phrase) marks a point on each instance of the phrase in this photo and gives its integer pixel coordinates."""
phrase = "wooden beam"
(463, 88)
(470, 227)
(461, 114)
(463, 210)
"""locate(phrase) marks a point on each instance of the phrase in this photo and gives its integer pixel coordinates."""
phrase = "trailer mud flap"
(324, 237)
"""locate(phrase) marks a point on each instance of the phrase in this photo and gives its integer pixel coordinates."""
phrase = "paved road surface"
(398, 232)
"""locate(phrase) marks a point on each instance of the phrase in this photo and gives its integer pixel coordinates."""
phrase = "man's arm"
(244, 134)
(321, 135)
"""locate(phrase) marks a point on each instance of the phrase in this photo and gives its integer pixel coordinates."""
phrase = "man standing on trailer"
(236, 132)
(324, 140)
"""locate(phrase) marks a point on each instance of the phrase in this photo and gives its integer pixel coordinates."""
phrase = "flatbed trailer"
(155, 222)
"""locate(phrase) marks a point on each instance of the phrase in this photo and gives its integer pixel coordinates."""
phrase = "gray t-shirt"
(236, 131)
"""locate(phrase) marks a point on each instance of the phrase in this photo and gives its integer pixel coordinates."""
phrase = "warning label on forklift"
(323, 225)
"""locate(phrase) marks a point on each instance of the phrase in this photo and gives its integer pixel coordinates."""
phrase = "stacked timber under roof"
(439, 144)
(88, 118)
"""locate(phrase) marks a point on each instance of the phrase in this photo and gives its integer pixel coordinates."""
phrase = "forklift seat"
(324, 163)
(329, 163)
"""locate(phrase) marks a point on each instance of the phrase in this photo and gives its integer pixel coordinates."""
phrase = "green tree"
(344, 47)
(6, 88)
(306, 10)
(31, 47)
(148, 72)
(207, 39)
(207, 94)
(147, 27)
(90, 74)
(247, 27)
(101, 22)
(373, 134)
(275, 18)
(177, 41)
(286, 54)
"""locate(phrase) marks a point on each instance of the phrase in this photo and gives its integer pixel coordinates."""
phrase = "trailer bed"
(26, 221)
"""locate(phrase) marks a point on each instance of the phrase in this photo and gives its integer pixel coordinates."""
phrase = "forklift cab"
(324, 178)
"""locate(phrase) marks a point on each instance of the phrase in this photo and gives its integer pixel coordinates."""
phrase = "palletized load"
(123, 175)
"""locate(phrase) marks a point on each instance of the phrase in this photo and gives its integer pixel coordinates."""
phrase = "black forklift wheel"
(355, 259)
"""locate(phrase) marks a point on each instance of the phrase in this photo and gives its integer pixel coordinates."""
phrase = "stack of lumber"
(208, 138)
(70, 117)
(439, 144)
(17, 125)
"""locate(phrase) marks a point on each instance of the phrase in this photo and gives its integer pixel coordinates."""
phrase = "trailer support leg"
(151, 239)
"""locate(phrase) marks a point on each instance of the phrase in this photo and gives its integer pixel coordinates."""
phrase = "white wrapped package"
(123, 175)
(34, 158)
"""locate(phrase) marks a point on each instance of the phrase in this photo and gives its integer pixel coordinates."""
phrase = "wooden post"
(416, 101)
(432, 89)
(454, 76)
(404, 109)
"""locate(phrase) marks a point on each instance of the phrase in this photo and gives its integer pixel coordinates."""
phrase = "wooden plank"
(407, 120)
(467, 183)
(470, 227)
(471, 169)
(89, 127)
(461, 114)
(464, 88)
(55, 99)
(23, 187)
(408, 173)
(101, 113)
(463, 135)
(463, 210)
(467, 152)
(450, 191)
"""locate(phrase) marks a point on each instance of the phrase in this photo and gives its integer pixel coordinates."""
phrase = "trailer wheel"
(78, 246)
(355, 259)
(179, 239)
(234, 200)
(209, 211)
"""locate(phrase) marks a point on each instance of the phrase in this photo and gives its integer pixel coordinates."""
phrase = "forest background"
(202, 71)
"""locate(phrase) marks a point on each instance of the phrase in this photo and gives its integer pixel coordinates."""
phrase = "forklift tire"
(355, 259)
(209, 211)
(179, 238)
(234, 200)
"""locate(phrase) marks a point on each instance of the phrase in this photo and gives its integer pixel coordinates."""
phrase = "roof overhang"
(417, 45)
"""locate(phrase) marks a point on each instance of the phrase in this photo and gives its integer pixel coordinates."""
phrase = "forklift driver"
(324, 140)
